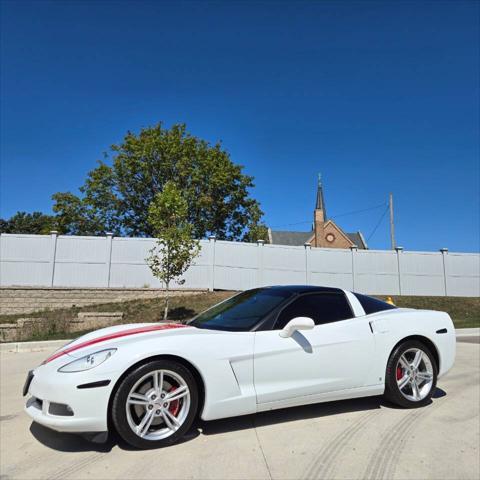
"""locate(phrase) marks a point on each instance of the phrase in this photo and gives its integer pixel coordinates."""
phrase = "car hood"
(105, 337)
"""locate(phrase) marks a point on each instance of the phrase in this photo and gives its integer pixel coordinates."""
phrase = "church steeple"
(320, 205)
(324, 233)
(319, 216)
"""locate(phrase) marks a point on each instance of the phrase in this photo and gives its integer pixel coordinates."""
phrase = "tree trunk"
(165, 313)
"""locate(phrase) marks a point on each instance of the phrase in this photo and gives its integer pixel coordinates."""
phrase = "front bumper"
(88, 406)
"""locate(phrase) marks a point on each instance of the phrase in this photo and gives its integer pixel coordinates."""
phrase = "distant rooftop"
(285, 237)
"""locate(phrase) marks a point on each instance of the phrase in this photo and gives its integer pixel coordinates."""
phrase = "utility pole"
(392, 225)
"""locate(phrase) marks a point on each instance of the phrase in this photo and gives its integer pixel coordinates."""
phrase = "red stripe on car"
(124, 333)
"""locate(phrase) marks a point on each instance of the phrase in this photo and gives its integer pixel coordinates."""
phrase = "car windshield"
(241, 312)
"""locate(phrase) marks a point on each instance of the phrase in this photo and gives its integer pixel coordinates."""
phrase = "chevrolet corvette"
(262, 349)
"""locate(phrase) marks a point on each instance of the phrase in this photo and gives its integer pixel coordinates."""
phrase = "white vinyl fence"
(74, 261)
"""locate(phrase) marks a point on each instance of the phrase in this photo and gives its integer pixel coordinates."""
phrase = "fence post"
(354, 249)
(444, 253)
(54, 236)
(308, 273)
(260, 244)
(108, 259)
(212, 239)
(399, 251)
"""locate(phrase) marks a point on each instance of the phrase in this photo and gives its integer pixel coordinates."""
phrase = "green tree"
(116, 198)
(96, 212)
(175, 247)
(4, 226)
(33, 223)
(257, 232)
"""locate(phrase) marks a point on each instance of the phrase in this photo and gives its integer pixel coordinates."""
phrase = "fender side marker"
(101, 383)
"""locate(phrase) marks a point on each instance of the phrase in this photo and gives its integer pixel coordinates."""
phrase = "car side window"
(373, 305)
(321, 308)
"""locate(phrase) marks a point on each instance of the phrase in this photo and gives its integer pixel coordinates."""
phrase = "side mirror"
(298, 323)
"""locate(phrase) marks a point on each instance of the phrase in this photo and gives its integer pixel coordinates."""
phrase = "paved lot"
(363, 438)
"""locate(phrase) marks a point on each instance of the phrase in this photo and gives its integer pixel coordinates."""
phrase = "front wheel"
(411, 375)
(155, 404)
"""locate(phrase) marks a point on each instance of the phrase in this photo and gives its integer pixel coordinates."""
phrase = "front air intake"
(60, 410)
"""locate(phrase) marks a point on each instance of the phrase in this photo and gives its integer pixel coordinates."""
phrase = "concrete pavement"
(364, 438)
(468, 335)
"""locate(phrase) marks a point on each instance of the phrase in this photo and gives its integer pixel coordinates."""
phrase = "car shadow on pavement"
(292, 414)
(305, 412)
(69, 442)
(439, 393)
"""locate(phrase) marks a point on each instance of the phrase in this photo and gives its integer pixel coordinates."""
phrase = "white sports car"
(262, 349)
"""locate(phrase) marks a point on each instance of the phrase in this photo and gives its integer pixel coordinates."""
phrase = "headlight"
(88, 362)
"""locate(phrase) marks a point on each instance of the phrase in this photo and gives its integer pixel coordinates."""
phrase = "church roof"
(285, 237)
(357, 239)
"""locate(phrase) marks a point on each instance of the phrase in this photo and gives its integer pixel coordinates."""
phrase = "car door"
(335, 355)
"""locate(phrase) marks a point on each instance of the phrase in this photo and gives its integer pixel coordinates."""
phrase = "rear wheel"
(411, 375)
(155, 404)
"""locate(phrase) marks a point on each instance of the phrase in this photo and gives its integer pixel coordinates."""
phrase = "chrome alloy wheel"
(158, 404)
(414, 374)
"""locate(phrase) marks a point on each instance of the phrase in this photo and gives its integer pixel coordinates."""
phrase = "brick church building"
(325, 232)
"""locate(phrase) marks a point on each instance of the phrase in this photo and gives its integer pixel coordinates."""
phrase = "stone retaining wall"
(21, 300)
(28, 328)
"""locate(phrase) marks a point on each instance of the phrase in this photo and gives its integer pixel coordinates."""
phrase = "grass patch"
(465, 312)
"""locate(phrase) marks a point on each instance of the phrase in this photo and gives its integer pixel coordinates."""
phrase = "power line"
(334, 216)
(378, 224)
(359, 211)
(291, 224)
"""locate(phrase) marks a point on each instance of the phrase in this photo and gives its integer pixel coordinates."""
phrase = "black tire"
(392, 390)
(119, 410)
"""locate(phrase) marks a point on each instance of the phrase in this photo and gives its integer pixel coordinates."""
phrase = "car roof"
(304, 289)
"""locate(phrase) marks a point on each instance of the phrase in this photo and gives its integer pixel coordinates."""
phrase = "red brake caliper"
(174, 406)
(399, 373)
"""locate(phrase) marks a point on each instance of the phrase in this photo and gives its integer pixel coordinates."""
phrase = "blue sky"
(378, 96)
